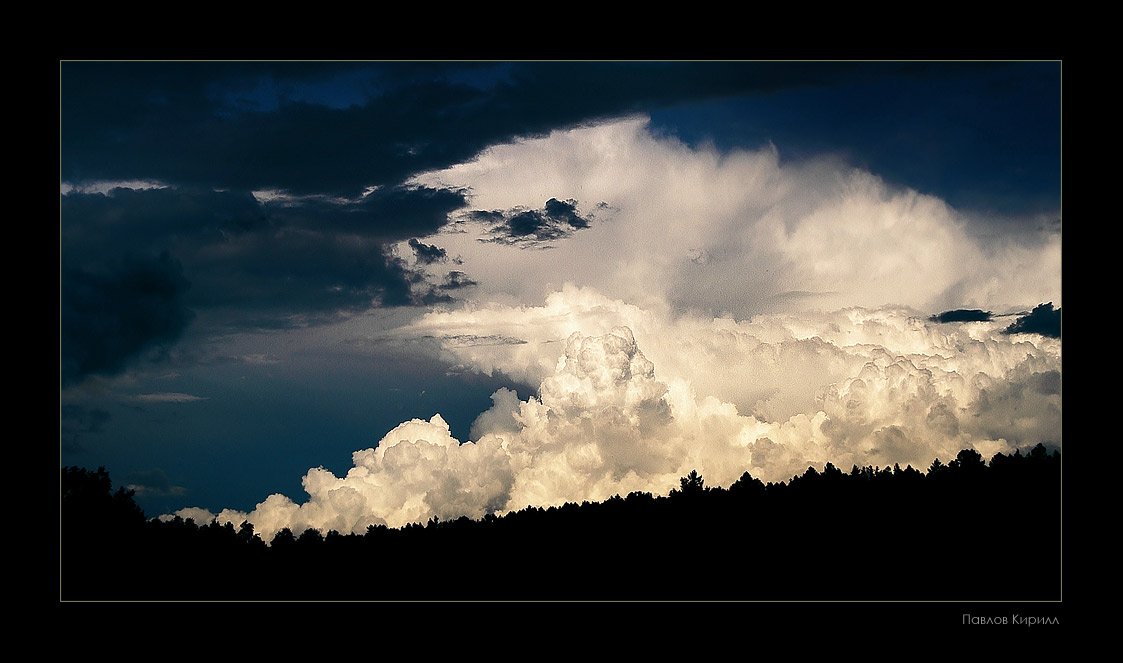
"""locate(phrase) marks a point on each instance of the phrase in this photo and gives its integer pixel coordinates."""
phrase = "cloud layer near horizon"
(877, 387)
(728, 312)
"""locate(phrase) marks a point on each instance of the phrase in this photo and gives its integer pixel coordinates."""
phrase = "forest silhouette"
(965, 530)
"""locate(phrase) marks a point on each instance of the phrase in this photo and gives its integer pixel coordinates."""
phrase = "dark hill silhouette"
(961, 531)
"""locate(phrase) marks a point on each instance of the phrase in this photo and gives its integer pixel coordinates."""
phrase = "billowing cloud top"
(771, 396)
(740, 233)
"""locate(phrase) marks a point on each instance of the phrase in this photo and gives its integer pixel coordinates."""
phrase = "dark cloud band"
(1043, 319)
(962, 315)
(138, 263)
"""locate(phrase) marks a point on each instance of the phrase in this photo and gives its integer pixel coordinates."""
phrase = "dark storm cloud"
(95, 223)
(1043, 319)
(274, 263)
(962, 315)
(427, 254)
(110, 317)
(557, 219)
(99, 227)
(387, 215)
(335, 129)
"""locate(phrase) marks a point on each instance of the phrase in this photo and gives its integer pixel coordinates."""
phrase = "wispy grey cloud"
(169, 397)
(472, 340)
(259, 359)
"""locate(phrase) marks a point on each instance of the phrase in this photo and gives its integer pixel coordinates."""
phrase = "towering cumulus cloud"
(725, 313)
(740, 232)
(605, 423)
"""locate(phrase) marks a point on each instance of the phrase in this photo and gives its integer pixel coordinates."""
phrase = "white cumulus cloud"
(726, 312)
(608, 420)
(739, 232)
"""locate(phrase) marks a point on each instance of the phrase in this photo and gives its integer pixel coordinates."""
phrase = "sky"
(336, 294)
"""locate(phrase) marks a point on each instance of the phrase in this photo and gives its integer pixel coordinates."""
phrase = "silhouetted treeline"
(960, 531)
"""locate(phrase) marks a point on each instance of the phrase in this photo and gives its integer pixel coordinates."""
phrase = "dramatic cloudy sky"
(337, 294)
